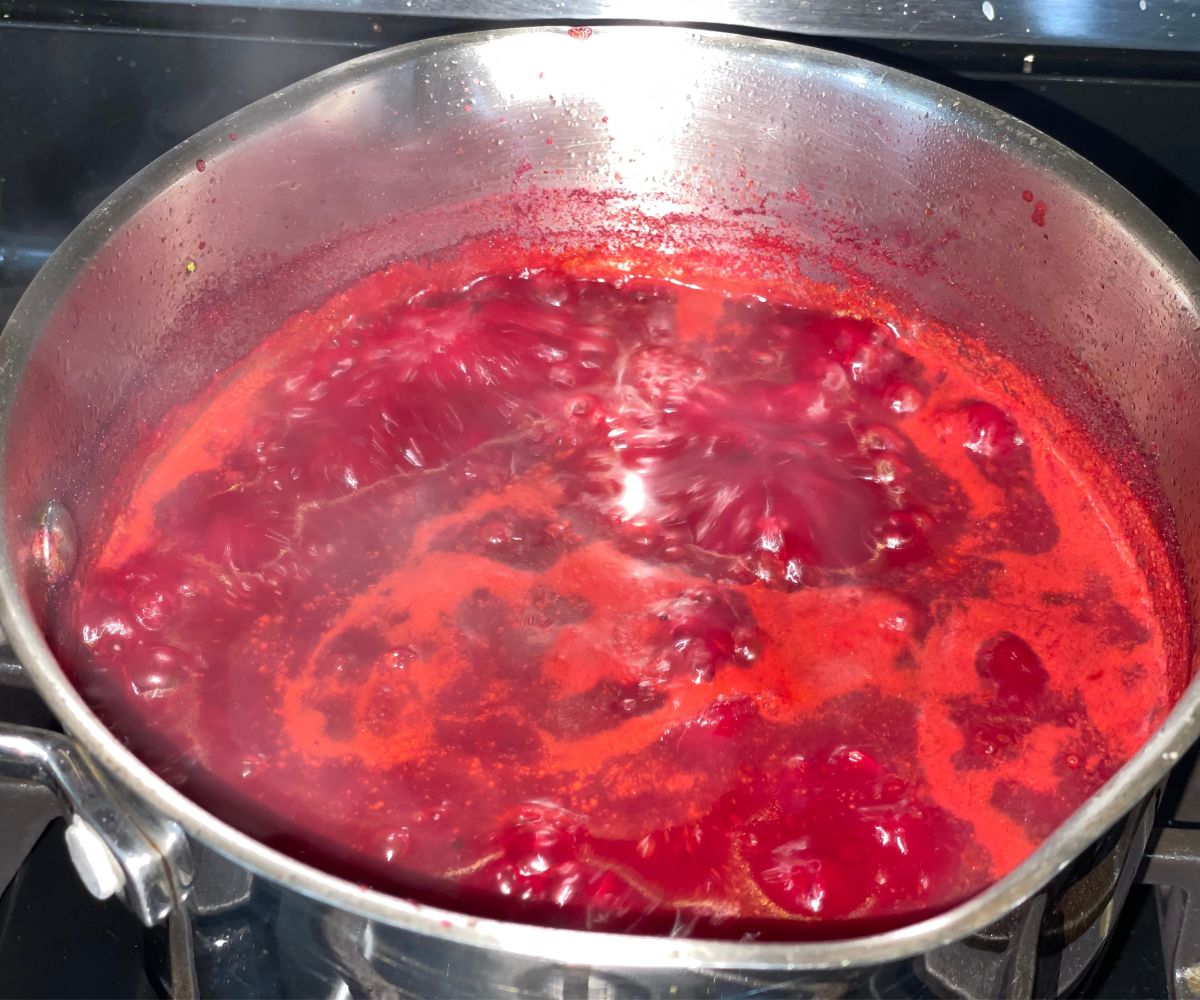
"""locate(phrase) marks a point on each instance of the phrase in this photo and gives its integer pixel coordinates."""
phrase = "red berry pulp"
(621, 604)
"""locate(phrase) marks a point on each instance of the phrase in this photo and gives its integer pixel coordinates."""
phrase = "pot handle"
(112, 851)
(116, 846)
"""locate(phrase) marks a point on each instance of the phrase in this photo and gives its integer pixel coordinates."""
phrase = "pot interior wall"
(847, 175)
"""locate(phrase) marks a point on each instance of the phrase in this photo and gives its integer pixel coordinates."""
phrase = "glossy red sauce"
(614, 603)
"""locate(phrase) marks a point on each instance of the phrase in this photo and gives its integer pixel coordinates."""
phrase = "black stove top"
(93, 91)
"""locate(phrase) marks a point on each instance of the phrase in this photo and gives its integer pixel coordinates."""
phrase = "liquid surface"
(625, 605)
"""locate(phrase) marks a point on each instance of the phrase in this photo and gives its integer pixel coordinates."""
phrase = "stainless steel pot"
(919, 188)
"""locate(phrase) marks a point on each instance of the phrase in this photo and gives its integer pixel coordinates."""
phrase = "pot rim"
(1104, 808)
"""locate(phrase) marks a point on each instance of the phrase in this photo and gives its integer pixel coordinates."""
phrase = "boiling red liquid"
(624, 605)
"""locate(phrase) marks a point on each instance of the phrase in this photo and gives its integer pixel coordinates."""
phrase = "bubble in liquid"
(162, 670)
